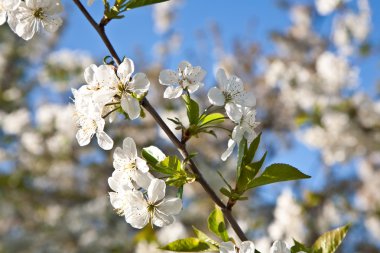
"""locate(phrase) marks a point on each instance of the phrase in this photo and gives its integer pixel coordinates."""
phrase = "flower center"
(131, 166)
(227, 96)
(39, 13)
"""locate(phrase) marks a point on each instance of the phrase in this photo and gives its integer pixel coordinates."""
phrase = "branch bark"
(181, 147)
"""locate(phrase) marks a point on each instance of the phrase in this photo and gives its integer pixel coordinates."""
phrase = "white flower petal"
(156, 153)
(184, 65)
(143, 179)
(156, 190)
(216, 96)
(172, 92)
(89, 74)
(3, 17)
(227, 247)
(125, 70)
(133, 107)
(140, 83)
(168, 77)
(170, 206)
(194, 87)
(279, 247)
(129, 148)
(106, 76)
(142, 165)
(197, 74)
(249, 99)
(161, 219)
(137, 218)
(233, 112)
(84, 137)
(247, 247)
(230, 148)
(104, 141)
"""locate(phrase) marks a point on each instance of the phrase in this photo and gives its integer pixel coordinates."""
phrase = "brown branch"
(180, 146)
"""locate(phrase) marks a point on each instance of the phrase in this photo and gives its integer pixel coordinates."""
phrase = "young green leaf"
(214, 118)
(139, 3)
(330, 241)
(192, 110)
(250, 154)
(299, 247)
(248, 174)
(277, 172)
(189, 245)
(203, 237)
(217, 225)
(240, 164)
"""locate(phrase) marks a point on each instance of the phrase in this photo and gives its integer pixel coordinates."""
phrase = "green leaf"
(192, 110)
(148, 156)
(139, 3)
(217, 225)
(189, 245)
(203, 237)
(277, 172)
(297, 247)
(242, 148)
(330, 241)
(250, 154)
(215, 118)
(248, 174)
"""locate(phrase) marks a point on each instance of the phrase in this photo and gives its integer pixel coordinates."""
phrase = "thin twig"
(180, 146)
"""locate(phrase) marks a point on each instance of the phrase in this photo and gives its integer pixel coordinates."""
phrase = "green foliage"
(114, 11)
(330, 241)
(278, 172)
(199, 123)
(326, 243)
(190, 244)
(202, 236)
(247, 170)
(217, 225)
(171, 166)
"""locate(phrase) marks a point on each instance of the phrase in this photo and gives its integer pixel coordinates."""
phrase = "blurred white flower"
(335, 72)
(31, 16)
(288, 221)
(229, 247)
(90, 2)
(152, 207)
(187, 78)
(325, 7)
(279, 247)
(231, 95)
(15, 122)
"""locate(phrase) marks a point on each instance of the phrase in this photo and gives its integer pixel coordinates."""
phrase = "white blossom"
(187, 78)
(31, 16)
(108, 83)
(245, 128)
(229, 247)
(7, 6)
(129, 166)
(230, 95)
(279, 247)
(152, 207)
(90, 121)
(325, 7)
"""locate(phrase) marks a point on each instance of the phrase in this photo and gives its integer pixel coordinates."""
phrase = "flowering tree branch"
(181, 147)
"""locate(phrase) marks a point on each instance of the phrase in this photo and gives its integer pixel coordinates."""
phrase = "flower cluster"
(27, 17)
(249, 247)
(239, 108)
(137, 195)
(108, 88)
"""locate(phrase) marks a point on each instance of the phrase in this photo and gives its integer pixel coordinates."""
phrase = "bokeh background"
(315, 78)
